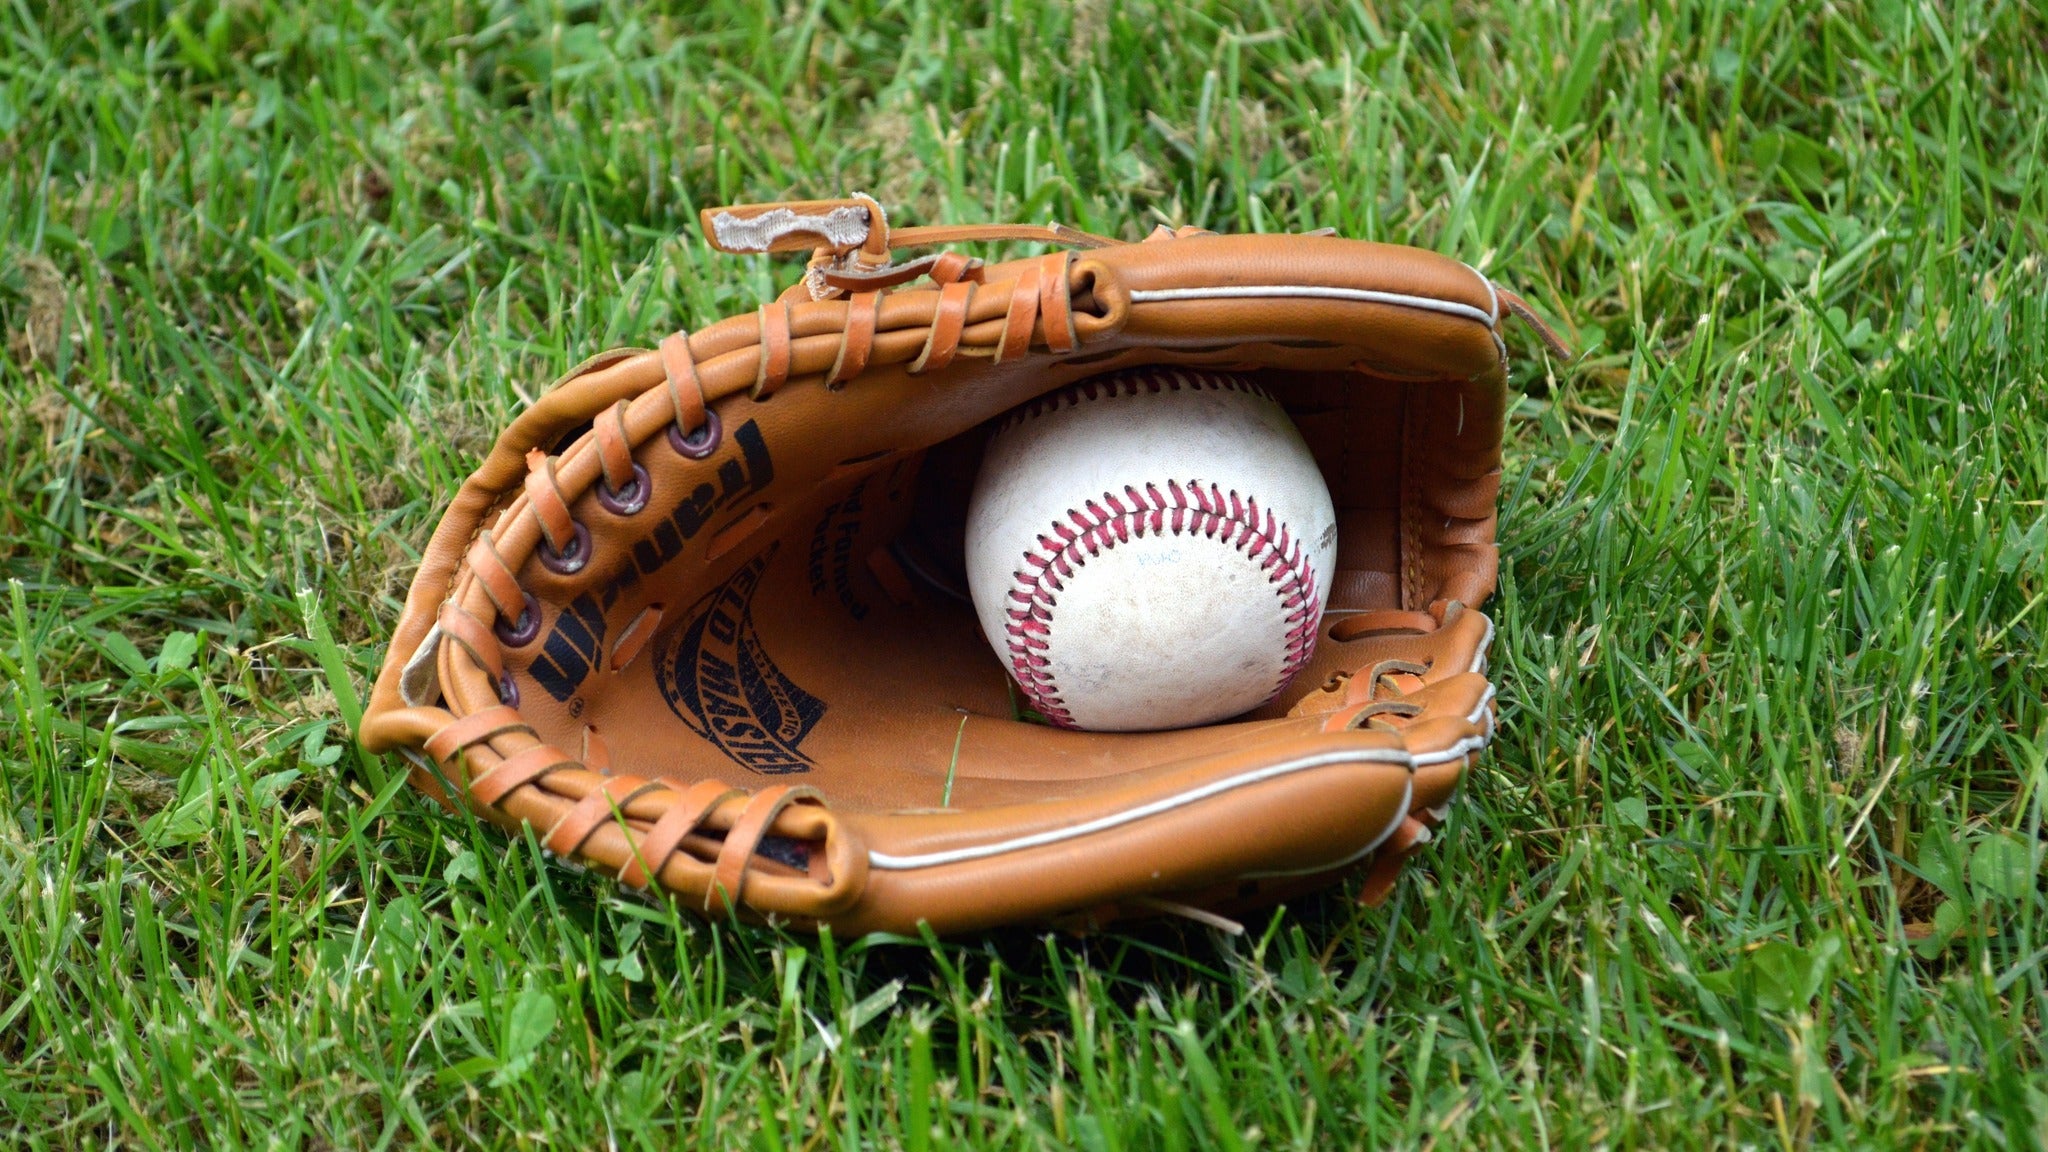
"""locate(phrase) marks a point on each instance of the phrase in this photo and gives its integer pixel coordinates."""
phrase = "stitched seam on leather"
(1414, 410)
(1130, 383)
(1103, 523)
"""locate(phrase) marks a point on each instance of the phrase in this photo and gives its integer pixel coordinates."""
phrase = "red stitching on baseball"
(1250, 530)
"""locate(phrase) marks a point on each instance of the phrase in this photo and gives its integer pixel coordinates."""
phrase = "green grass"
(1754, 863)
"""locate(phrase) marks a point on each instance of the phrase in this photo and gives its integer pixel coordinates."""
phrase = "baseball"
(1150, 549)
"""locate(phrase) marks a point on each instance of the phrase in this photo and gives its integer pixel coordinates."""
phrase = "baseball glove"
(698, 618)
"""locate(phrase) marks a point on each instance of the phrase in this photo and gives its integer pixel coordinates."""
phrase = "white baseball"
(1150, 549)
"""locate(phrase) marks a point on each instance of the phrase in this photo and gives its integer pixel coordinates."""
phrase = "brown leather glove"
(698, 618)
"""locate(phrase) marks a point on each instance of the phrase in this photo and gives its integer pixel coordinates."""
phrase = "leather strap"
(517, 770)
(858, 223)
(475, 637)
(1366, 688)
(1054, 305)
(685, 387)
(614, 449)
(863, 314)
(1527, 315)
(597, 755)
(953, 267)
(496, 577)
(635, 636)
(1386, 865)
(917, 237)
(1023, 315)
(474, 728)
(601, 803)
(875, 279)
(556, 524)
(776, 350)
(949, 320)
(684, 814)
(730, 878)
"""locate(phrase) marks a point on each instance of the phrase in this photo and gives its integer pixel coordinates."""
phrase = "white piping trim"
(1457, 751)
(1314, 291)
(1493, 305)
(1466, 746)
(891, 863)
(1492, 297)
(1400, 814)
(1479, 657)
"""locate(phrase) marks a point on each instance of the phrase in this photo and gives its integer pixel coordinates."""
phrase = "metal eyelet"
(508, 690)
(521, 632)
(628, 500)
(701, 443)
(570, 562)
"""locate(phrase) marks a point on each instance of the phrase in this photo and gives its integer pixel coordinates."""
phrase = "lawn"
(1755, 861)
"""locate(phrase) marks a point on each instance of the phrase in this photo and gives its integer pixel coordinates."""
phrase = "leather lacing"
(710, 837)
(709, 821)
(1380, 677)
(1386, 715)
(685, 824)
(1039, 293)
(1366, 690)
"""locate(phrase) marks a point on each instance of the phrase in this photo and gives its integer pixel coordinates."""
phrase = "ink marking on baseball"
(1151, 550)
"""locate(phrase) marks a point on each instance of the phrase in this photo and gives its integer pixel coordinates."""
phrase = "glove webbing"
(706, 837)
